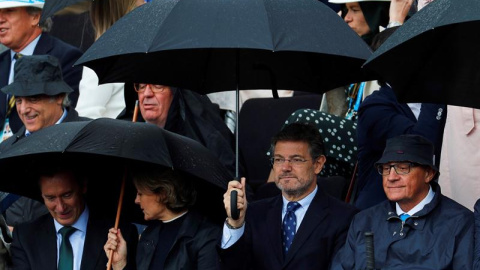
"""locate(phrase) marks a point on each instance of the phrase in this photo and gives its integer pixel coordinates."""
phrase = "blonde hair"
(104, 13)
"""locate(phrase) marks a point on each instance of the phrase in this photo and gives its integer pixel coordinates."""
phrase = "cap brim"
(13, 4)
(22, 89)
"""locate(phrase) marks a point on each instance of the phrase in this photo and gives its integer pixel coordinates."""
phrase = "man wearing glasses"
(189, 114)
(417, 227)
(300, 229)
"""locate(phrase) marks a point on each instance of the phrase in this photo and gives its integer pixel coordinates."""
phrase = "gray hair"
(46, 25)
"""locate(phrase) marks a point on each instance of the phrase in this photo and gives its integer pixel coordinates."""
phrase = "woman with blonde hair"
(106, 100)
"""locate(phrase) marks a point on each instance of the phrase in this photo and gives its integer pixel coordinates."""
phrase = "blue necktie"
(404, 216)
(289, 225)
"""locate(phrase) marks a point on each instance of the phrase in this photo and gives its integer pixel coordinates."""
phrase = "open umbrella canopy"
(434, 56)
(53, 7)
(104, 148)
(217, 45)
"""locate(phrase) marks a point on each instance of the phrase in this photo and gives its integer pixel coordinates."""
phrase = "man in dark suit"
(271, 235)
(38, 245)
(23, 33)
(42, 100)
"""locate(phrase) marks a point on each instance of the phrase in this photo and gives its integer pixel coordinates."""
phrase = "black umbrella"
(434, 56)
(105, 147)
(217, 45)
(53, 7)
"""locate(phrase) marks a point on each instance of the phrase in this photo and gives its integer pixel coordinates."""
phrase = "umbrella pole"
(234, 213)
(122, 192)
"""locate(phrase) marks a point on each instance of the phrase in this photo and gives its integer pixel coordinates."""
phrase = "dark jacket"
(438, 237)
(34, 244)
(194, 246)
(66, 54)
(320, 235)
(381, 117)
(476, 210)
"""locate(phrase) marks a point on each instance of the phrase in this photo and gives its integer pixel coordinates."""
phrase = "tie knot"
(293, 206)
(66, 231)
(17, 56)
(404, 216)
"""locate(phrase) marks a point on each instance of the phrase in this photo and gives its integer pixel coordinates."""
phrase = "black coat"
(193, 248)
(66, 54)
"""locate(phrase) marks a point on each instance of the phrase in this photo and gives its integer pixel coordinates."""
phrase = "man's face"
(407, 189)
(37, 112)
(63, 197)
(355, 19)
(17, 27)
(296, 180)
(154, 106)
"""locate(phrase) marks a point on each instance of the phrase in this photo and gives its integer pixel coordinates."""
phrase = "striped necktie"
(11, 100)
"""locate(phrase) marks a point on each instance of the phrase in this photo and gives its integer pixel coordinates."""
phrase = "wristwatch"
(232, 227)
(393, 24)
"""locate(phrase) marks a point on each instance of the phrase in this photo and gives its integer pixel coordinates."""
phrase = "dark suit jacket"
(320, 235)
(34, 244)
(66, 54)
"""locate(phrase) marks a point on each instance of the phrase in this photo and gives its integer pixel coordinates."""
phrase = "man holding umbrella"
(312, 225)
(72, 235)
(41, 97)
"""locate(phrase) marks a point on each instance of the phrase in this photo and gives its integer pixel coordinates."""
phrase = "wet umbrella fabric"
(103, 147)
(216, 45)
(51, 7)
(434, 56)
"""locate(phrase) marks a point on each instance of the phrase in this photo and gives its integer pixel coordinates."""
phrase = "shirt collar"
(419, 206)
(305, 202)
(27, 50)
(80, 224)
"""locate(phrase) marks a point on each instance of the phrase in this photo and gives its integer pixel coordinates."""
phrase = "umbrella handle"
(235, 214)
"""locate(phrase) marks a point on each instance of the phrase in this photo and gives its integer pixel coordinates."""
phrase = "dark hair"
(177, 193)
(49, 171)
(301, 132)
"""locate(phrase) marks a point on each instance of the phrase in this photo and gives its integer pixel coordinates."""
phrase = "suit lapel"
(317, 211)
(5, 62)
(274, 216)
(47, 237)
(96, 237)
(44, 45)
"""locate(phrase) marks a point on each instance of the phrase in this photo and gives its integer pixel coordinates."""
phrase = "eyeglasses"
(156, 88)
(400, 168)
(277, 161)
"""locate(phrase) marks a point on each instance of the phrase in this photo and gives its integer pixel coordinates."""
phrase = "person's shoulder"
(46, 37)
(35, 224)
(452, 207)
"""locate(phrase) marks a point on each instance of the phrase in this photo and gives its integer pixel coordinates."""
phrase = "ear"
(35, 19)
(429, 174)
(318, 166)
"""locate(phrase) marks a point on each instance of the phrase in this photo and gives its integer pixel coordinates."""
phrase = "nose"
(287, 166)
(348, 17)
(60, 206)
(137, 199)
